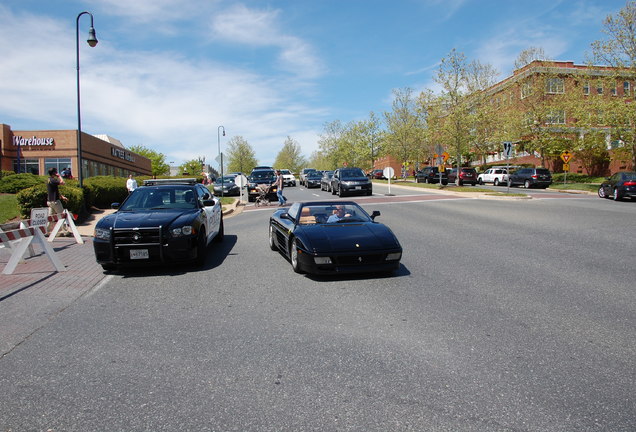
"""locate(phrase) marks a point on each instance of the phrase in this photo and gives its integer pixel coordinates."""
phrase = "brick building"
(37, 151)
(533, 92)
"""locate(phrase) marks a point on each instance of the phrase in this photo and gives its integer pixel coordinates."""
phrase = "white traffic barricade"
(61, 219)
(22, 239)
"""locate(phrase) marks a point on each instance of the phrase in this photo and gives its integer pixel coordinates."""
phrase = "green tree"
(193, 167)
(457, 123)
(405, 126)
(320, 161)
(368, 140)
(239, 156)
(158, 162)
(290, 157)
(540, 120)
(529, 55)
(619, 50)
(329, 145)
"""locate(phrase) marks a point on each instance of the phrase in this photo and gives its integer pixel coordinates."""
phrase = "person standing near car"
(280, 183)
(131, 184)
(53, 196)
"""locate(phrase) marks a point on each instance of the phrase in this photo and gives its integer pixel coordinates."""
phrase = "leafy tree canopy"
(157, 160)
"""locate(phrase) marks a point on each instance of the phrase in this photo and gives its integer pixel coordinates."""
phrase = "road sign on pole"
(389, 172)
(507, 146)
(566, 156)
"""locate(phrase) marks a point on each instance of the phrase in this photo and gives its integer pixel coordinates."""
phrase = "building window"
(526, 90)
(58, 163)
(613, 91)
(556, 117)
(27, 166)
(626, 88)
(599, 88)
(555, 86)
(586, 88)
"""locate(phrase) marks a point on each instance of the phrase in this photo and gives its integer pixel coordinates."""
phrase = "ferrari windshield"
(332, 213)
(157, 198)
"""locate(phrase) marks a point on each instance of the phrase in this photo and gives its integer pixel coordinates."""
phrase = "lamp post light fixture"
(218, 135)
(92, 41)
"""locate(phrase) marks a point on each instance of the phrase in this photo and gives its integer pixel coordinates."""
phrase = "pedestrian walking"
(280, 184)
(53, 196)
(131, 184)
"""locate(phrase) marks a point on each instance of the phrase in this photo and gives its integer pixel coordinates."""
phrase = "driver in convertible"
(338, 214)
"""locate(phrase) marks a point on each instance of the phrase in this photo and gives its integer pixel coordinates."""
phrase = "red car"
(466, 176)
(377, 174)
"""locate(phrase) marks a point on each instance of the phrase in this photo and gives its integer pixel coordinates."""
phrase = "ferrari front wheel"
(293, 256)
(272, 240)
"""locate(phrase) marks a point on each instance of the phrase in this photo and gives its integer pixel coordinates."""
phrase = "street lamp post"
(92, 41)
(218, 135)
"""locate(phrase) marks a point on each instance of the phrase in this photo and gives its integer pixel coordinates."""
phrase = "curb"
(485, 196)
(232, 209)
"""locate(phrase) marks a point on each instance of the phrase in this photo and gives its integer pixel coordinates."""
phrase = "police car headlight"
(182, 231)
(102, 234)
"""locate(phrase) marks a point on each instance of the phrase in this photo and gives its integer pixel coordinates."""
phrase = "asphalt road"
(506, 315)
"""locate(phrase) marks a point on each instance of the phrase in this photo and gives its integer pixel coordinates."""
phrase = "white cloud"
(261, 28)
(159, 99)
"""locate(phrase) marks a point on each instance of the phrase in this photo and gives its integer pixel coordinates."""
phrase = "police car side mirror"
(208, 202)
(375, 214)
(114, 205)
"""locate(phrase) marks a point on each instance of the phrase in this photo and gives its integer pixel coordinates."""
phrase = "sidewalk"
(82, 271)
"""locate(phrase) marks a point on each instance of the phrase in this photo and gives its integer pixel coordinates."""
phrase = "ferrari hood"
(348, 237)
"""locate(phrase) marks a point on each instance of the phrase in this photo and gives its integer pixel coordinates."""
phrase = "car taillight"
(630, 183)
(534, 176)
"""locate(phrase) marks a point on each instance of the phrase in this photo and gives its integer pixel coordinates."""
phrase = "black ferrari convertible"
(333, 237)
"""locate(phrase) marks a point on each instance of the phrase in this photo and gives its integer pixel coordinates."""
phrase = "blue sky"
(167, 73)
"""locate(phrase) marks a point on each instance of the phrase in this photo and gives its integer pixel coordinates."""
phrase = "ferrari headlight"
(322, 260)
(393, 256)
(102, 234)
(182, 231)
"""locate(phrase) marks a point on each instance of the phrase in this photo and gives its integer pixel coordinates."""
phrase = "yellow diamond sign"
(566, 156)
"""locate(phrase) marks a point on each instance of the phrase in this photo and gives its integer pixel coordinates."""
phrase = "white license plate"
(358, 187)
(139, 254)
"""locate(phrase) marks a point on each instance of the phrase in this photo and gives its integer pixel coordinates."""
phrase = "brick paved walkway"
(35, 292)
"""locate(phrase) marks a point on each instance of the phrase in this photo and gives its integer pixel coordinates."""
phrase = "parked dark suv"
(531, 177)
(430, 175)
(466, 176)
(349, 181)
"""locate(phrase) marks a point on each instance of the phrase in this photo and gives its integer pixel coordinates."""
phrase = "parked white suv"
(495, 175)
(288, 177)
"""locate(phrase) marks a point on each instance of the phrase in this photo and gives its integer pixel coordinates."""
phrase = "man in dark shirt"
(53, 197)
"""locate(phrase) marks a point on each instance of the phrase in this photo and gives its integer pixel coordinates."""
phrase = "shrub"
(35, 197)
(17, 182)
(102, 191)
(576, 178)
(4, 173)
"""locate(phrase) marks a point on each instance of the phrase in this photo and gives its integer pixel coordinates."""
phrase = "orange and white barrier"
(61, 219)
(22, 239)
